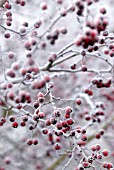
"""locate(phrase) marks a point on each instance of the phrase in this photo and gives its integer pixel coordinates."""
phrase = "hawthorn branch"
(11, 30)
(72, 156)
(90, 138)
(79, 70)
(65, 48)
(50, 26)
(65, 59)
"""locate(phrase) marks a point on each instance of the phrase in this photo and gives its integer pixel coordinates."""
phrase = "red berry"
(98, 136)
(11, 95)
(50, 138)
(45, 131)
(12, 118)
(72, 133)
(58, 138)
(101, 131)
(41, 99)
(68, 110)
(103, 10)
(84, 68)
(57, 113)
(64, 124)
(19, 106)
(3, 120)
(11, 55)
(22, 2)
(73, 67)
(37, 24)
(7, 160)
(36, 104)
(10, 73)
(98, 147)
(63, 30)
(35, 117)
(23, 124)
(85, 164)
(17, 1)
(105, 165)
(83, 137)
(35, 141)
(78, 101)
(53, 121)
(43, 6)
(93, 148)
(23, 71)
(70, 121)
(63, 13)
(48, 122)
(83, 131)
(41, 115)
(59, 126)
(1, 123)
(25, 118)
(7, 35)
(57, 146)
(33, 41)
(67, 115)
(99, 156)
(110, 165)
(105, 153)
(7, 5)
(27, 45)
(29, 141)
(59, 1)
(14, 124)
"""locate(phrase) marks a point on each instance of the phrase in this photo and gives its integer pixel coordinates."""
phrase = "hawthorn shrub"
(56, 85)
